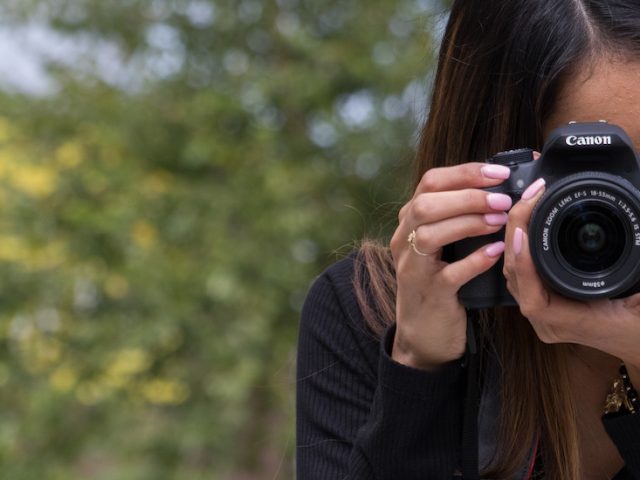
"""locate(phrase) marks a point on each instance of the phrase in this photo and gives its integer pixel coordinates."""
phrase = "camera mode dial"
(513, 157)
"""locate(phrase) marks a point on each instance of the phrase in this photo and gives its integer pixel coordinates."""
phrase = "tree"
(166, 204)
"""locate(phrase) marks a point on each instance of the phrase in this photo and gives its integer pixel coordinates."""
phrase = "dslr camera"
(584, 233)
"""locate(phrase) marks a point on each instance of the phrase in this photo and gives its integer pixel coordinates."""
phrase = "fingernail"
(496, 171)
(494, 249)
(494, 219)
(533, 189)
(517, 240)
(536, 155)
(499, 201)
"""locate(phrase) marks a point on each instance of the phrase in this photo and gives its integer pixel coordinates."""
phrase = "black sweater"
(361, 415)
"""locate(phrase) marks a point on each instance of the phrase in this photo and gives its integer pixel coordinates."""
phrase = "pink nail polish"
(494, 249)
(499, 201)
(533, 189)
(496, 172)
(495, 219)
(517, 240)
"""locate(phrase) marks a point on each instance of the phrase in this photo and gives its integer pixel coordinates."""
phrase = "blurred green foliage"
(165, 205)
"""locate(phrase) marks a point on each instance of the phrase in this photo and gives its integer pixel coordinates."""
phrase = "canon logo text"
(575, 141)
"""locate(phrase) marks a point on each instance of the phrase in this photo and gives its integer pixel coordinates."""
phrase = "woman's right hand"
(448, 205)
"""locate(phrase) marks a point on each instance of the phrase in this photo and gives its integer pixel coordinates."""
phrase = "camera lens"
(584, 236)
(591, 237)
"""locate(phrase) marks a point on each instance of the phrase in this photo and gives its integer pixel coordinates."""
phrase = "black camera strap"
(469, 462)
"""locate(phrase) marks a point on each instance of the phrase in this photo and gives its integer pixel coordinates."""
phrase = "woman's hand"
(447, 206)
(611, 326)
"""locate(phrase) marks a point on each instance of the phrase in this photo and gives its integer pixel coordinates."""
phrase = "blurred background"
(173, 175)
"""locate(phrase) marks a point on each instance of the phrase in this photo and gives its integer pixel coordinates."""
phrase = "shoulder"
(331, 318)
(336, 283)
(332, 294)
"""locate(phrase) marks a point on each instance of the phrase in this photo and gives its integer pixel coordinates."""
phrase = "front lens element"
(591, 237)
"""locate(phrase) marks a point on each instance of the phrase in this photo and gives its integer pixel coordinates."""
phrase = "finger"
(536, 155)
(466, 175)
(432, 237)
(520, 213)
(407, 253)
(403, 211)
(528, 201)
(462, 271)
(519, 270)
(633, 303)
(554, 318)
(434, 207)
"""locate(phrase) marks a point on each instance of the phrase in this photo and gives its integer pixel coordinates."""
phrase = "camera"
(584, 232)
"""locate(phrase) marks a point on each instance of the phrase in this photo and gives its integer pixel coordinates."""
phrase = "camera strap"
(469, 462)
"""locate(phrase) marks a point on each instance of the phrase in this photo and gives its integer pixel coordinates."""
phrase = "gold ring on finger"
(412, 241)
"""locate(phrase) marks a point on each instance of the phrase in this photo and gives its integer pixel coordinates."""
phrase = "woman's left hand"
(610, 325)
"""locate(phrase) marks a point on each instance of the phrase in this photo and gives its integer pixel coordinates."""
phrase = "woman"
(388, 376)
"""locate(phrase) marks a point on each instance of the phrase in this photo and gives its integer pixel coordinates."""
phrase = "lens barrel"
(584, 236)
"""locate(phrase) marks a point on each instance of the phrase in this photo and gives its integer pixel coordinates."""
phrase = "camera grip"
(488, 289)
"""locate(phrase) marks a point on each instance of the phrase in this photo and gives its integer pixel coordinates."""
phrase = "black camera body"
(584, 233)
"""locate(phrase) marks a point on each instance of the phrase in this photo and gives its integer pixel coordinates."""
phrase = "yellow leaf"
(63, 379)
(144, 234)
(70, 154)
(37, 182)
(165, 392)
(127, 362)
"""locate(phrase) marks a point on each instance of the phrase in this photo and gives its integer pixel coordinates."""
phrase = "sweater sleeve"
(360, 415)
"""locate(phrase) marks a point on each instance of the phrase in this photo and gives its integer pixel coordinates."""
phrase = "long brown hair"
(501, 67)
